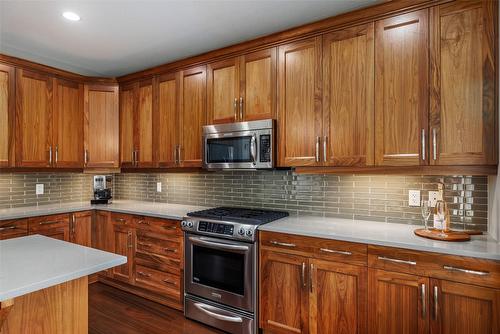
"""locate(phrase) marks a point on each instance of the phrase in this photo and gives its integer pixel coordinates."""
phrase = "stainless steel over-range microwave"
(244, 145)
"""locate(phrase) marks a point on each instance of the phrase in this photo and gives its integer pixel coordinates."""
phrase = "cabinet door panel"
(401, 99)
(348, 97)
(7, 110)
(463, 84)
(103, 235)
(81, 228)
(338, 298)
(223, 91)
(464, 308)
(396, 303)
(299, 102)
(284, 293)
(193, 116)
(127, 121)
(124, 245)
(102, 126)
(68, 124)
(258, 85)
(145, 124)
(34, 119)
(168, 119)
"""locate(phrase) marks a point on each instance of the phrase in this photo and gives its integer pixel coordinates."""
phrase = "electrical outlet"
(433, 198)
(158, 187)
(39, 189)
(413, 197)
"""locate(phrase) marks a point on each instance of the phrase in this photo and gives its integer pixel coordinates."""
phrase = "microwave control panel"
(265, 148)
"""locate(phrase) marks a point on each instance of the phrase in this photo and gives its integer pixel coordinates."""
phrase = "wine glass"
(441, 215)
(426, 212)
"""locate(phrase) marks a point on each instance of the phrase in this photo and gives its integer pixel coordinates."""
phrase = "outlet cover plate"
(413, 197)
(39, 189)
(158, 187)
(433, 198)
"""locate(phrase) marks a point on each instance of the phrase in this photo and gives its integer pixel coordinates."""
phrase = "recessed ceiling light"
(71, 16)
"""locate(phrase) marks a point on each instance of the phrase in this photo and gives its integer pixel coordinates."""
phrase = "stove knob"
(183, 223)
(241, 231)
(249, 233)
(190, 224)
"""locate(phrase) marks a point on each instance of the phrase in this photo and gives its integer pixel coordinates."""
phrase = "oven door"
(220, 270)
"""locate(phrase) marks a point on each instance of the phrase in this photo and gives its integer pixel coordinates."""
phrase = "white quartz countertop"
(160, 210)
(384, 234)
(35, 262)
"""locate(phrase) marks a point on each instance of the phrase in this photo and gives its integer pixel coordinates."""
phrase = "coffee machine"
(102, 189)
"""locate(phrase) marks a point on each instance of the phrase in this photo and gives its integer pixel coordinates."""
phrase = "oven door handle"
(218, 245)
(203, 308)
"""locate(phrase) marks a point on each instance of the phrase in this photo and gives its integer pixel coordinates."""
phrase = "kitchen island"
(44, 285)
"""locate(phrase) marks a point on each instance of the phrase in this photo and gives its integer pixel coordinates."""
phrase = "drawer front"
(158, 281)
(286, 242)
(55, 222)
(13, 228)
(121, 219)
(158, 262)
(450, 267)
(152, 243)
(157, 225)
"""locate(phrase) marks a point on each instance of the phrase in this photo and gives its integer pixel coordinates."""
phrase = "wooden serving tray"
(443, 236)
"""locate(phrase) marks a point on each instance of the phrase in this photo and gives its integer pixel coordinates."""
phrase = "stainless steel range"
(220, 269)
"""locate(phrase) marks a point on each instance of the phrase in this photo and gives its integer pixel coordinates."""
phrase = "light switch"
(39, 189)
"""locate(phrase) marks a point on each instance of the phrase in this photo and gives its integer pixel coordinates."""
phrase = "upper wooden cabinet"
(299, 103)
(101, 126)
(7, 111)
(348, 105)
(127, 123)
(167, 139)
(462, 115)
(401, 98)
(34, 119)
(242, 88)
(68, 124)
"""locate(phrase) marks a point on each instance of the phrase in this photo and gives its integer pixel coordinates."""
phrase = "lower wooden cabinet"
(124, 238)
(81, 228)
(55, 226)
(13, 228)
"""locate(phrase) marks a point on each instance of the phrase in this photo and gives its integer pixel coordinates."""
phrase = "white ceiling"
(116, 37)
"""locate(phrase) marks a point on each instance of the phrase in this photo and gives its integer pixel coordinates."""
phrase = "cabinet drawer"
(157, 225)
(13, 228)
(153, 243)
(158, 262)
(286, 242)
(48, 223)
(121, 219)
(158, 281)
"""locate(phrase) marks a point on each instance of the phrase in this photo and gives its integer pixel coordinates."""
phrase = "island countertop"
(32, 263)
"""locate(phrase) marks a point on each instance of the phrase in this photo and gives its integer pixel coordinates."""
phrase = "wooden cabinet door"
(123, 240)
(258, 85)
(33, 119)
(299, 102)
(168, 119)
(401, 98)
(81, 228)
(101, 126)
(144, 131)
(193, 116)
(7, 111)
(462, 115)
(464, 308)
(396, 303)
(338, 298)
(348, 105)
(68, 124)
(128, 105)
(223, 91)
(283, 293)
(103, 235)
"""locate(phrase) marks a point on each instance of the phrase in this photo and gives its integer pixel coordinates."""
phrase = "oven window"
(236, 149)
(219, 269)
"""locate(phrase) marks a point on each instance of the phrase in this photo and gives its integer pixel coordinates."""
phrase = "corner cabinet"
(7, 112)
(101, 127)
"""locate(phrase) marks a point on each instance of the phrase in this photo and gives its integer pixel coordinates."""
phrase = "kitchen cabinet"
(242, 88)
(127, 123)
(398, 303)
(124, 239)
(299, 103)
(463, 308)
(168, 119)
(462, 114)
(54, 226)
(101, 127)
(102, 235)
(284, 300)
(67, 142)
(81, 228)
(33, 119)
(13, 228)
(348, 97)
(401, 86)
(7, 111)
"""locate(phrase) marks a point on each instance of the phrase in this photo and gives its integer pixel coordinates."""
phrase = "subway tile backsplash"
(379, 198)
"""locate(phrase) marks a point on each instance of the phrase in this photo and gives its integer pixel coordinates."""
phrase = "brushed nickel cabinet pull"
(423, 144)
(423, 299)
(436, 300)
(86, 157)
(318, 139)
(50, 155)
(57, 154)
(170, 250)
(325, 139)
(284, 244)
(144, 274)
(326, 250)
(48, 223)
(466, 271)
(7, 228)
(169, 282)
(179, 154)
(170, 227)
(303, 274)
(143, 222)
(434, 144)
(144, 244)
(235, 103)
(241, 108)
(129, 236)
(383, 258)
(120, 220)
(311, 269)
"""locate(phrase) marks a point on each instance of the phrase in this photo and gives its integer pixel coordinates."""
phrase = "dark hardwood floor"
(112, 311)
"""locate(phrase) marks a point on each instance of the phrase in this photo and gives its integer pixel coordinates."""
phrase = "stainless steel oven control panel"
(221, 229)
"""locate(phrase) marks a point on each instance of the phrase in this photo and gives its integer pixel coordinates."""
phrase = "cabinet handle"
(383, 258)
(326, 250)
(284, 244)
(48, 223)
(303, 274)
(436, 301)
(169, 282)
(170, 227)
(466, 271)
(423, 299)
(234, 109)
(143, 274)
(50, 155)
(86, 157)
(119, 220)
(7, 228)
(434, 144)
(423, 144)
(325, 139)
(311, 277)
(129, 236)
(179, 154)
(57, 153)
(142, 222)
(241, 108)
(170, 250)
(73, 224)
(317, 148)
(144, 244)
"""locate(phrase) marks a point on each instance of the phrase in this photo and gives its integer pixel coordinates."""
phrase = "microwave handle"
(253, 149)
(217, 245)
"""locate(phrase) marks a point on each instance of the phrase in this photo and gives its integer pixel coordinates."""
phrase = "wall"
(372, 197)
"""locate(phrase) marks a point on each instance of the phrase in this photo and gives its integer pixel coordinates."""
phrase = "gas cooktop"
(240, 215)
